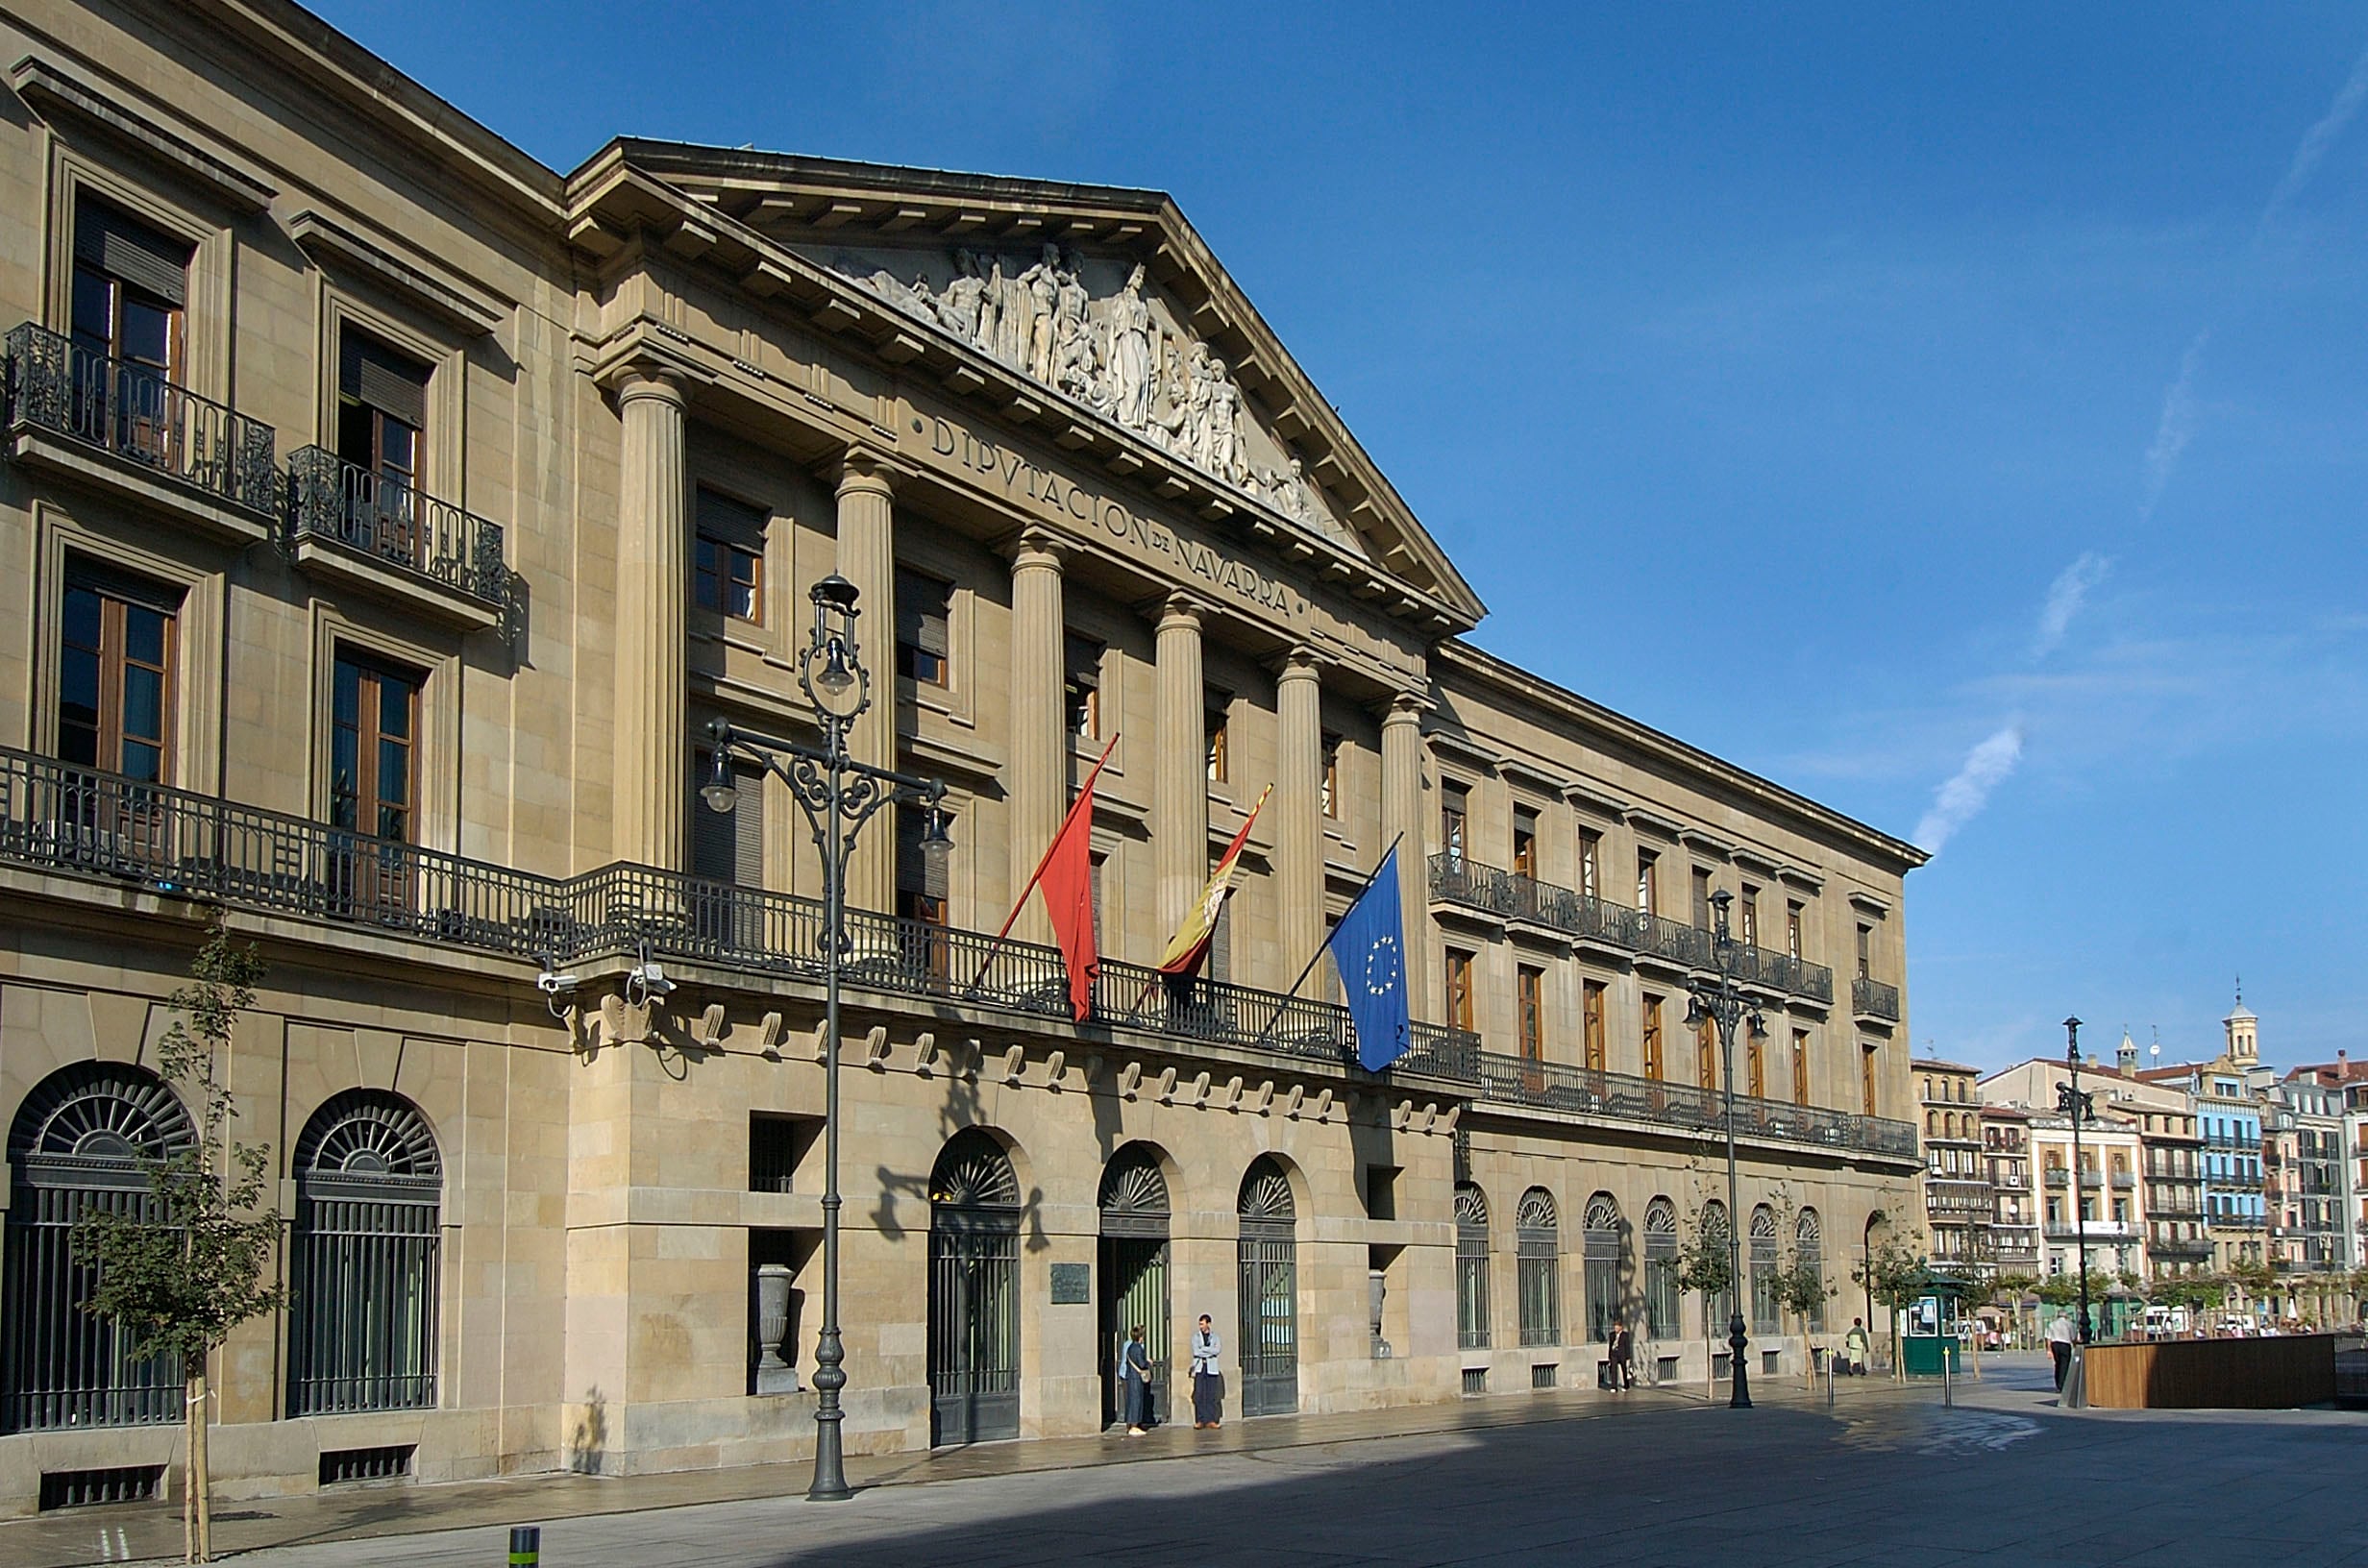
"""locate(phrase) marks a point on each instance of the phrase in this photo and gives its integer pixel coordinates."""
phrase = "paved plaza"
(1890, 1476)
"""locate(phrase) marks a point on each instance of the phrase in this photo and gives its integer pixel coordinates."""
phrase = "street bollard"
(525, 1546)
(1828, 1383)
(1948, 1377)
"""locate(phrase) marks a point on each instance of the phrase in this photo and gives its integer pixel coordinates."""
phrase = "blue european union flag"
(1368, 948)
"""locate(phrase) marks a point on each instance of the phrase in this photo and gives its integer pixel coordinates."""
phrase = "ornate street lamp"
(838, 796)
(1724, 1004)
(2079, 1108)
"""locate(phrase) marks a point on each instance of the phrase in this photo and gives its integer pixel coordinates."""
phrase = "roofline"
(1935, 1062)
(1876, 844)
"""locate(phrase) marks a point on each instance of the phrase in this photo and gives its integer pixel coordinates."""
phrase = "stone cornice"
(337, 247)
(53, 90)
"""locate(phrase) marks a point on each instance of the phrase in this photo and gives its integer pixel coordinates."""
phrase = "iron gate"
(973, 1294)
(1270, 1292)
(1133, 1278)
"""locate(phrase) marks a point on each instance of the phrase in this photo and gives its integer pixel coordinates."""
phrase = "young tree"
(182, 1270)
(1895, 1274)
(2009, 1289)
(1705, 1264)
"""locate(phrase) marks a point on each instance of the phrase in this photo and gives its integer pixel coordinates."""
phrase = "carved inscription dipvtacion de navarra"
(1022, 480)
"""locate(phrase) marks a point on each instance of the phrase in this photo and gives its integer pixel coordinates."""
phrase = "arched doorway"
(1133, 1277)
(1270, 1291)
(974, 1292)
(362, 1260)
(75, 1148)
(1471, 1267)
(1600, 1243)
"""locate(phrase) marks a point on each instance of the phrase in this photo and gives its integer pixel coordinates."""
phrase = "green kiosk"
(1928, 1328)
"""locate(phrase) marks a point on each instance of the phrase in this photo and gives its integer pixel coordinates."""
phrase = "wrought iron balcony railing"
(132, 412)
(1558, 1086)
(390, 521)
(1872, 999)
(1463, 880)
(61, 817)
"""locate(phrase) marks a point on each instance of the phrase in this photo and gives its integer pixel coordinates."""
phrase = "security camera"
(552, 984)
(650, 976)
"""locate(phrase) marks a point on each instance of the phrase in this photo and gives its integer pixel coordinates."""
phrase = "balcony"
(2106, 1231)
(173, 842)
(1555, 1086)
(121, 426)
(1871, 998)
(2124, 1181)
(2179, 1248)
(383, 536)
(1461, 880)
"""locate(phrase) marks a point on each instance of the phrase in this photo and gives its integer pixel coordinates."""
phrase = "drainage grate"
(85, 1488)
(1542, 1376)
(1475, 1380)
(341, 1465)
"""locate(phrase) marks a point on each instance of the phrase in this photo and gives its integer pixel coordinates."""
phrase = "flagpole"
(1372, 877)
(1046, 859)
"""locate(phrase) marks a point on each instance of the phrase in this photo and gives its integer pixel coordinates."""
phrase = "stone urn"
(768, 1314)
(1376, 1293)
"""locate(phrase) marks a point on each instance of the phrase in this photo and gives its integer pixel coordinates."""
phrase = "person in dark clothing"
(1135, 1370)
(1623, 1348)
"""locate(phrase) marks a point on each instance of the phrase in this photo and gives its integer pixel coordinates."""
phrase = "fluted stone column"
(1299, 805)
(1179, 770)
(1039, 734)
(652, 750)
(867, 558)
(1402, 813)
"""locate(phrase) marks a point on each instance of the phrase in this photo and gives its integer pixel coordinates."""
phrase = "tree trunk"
(188, 1473)
(201, 1483)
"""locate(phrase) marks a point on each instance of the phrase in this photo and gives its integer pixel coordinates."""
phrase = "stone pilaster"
(1180, 771)
(652, 581)
(1038, 732)
(867, 558)
(1402, 818)
(1298, 807)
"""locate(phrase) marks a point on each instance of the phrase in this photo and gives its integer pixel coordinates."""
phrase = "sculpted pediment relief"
(1090, 329)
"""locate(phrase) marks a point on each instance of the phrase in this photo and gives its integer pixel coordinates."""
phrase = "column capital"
(863, 470)
(648, 379)
(1180, 610)
(1299, 662)
(1405, 708)
(1037, 548)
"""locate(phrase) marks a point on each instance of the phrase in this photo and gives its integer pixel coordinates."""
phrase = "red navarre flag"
(1066, 877)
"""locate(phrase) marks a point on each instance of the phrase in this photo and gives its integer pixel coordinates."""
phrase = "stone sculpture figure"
(1223, 441)
(1130, 358)
(959, 307)
(1043, 285)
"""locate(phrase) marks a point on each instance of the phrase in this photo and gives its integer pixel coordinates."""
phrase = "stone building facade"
(388, 517)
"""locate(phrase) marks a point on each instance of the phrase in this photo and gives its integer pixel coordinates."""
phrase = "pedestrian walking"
(1623, 1348)
(2060, 1346)
(1208, 1377)
(1854, 1347)
(1135, 1371)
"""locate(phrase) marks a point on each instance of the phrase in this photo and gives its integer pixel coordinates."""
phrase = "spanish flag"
(1191, 942)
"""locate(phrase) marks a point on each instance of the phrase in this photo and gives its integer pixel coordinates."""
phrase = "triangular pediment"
(1104, 298)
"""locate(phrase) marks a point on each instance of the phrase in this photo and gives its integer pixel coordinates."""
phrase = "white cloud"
(2176, 425)
(1961, 798)
(2064, 598)
(2321, 137)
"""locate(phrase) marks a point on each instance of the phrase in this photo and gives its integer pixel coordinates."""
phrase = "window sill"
(392, 584)
(207, 513)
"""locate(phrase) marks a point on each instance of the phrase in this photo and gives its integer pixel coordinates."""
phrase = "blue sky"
(1957, 418)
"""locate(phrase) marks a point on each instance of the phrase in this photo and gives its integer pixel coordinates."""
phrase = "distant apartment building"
(2093, 1193)
(1957, 1202)
(2014, 1212)
(2229, 1116)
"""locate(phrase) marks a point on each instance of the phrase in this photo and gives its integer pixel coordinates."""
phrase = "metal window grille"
(1475, 1380)
(1602, 1258)
(974, 1292)
(1471, 1269)
(75, 1148)
(1660, 1291)
(343, 1467)
(363, 1264)
(1538, 1243)
(89, 1489)
(1541, 1376)
(1764, 1314)
(1269, 1292)
(1809, 1245)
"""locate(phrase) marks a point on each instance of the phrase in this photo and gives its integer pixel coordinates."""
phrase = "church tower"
(2244, 1032)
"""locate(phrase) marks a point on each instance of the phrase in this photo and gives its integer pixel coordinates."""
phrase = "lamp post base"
(1736, 1343)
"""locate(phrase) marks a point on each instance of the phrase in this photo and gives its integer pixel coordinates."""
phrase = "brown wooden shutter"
(728, 845)
(395, 384)
(920, 613)
(122, 246)
(914, 872)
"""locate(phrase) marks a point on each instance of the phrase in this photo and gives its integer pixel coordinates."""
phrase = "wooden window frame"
(1648, 882)
(1460, 986)
(1800, 1066)
(1217, 725)
(915, 663)
(372, 674)
(1593, 1000)
(712, 555)
(1331, 778)
(115, 664)
(1590, 863)
(1455, 820)
(1656, 1064)
(1081, 686)
(1529, 1007)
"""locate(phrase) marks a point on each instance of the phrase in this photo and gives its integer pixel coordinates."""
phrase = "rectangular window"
(1793, 929)
(1454, 818)
(1701, 899)
(728, 845)
(1755, 1063)
(1591, 1014)
(1652, 1038)
(1220, 723)
(1591, 854)
(729, 579)
(1332, 777)
(381, 410)
(115, 674)
(924, 618)
(1867, 1077)
(1081, 686)
(1530, 984)
(374, 717)
(1524, 843)
(131, 283)
(1648, 882)
(1866, 948)
(1800, 1066)
(1747, 907)
(922, 899)
(1706, 1054)
(1459, 989)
